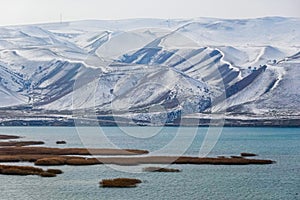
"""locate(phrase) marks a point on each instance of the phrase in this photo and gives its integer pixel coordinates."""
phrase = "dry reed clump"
(54, 171)
(47, 174)
(24, 171)
(120, 182)
(221, 161)
(20, 143)
(159, 169)
(236, 156)
(51, 161)
(67, 151)
(22, 158)
(61, 142)
(69, 160)
(82, 161)
(248, 154)
(9, 137)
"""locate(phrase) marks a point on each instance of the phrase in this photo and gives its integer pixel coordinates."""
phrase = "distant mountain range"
(151, 71)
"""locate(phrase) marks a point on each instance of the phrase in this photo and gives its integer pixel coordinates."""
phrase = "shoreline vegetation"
(160, 169)
(120, 182)
(25, 171)
(9, 137)
(132, 161)
(66, 120)
(46, 156)
(53, 160)
(20, 143)
(245, 154)
(69, 151)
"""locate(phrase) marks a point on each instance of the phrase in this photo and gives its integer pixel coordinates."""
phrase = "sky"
(13, 12)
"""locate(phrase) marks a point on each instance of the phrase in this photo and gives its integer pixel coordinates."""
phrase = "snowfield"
(153, 70)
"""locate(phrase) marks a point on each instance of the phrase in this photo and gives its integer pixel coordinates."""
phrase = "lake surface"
(277, 181)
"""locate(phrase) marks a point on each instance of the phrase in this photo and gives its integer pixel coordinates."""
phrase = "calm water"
(277, 181)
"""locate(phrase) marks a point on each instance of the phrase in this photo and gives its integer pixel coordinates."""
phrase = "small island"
(61, 142)
(21, 151)
(9, 137)
(25, 171)
(120, 182)
(160, 169)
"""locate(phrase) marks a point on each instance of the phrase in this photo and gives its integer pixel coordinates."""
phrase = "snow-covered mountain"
(152, 67)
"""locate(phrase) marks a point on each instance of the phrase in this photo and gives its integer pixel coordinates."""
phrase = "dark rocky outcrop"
(61, 142)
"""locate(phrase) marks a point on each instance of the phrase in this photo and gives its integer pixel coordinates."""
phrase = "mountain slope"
(126, 67)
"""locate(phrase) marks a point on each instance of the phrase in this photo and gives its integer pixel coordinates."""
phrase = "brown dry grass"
(82, 161)
(25, 170)
(22, 158)
(54, 171)
(248, 154)
(120, 182)
(50, 161)
(236, 156)
(149, 160)
(57, 156)
(68, 151)
(19, 170)
(20, 143)
(47, 174)
(184, 160)
(159, 169)
(8, 137)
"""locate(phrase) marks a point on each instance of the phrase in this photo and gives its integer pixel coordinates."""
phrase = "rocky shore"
(37, 117)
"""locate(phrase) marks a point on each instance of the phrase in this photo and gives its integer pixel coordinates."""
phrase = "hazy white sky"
(38, 11)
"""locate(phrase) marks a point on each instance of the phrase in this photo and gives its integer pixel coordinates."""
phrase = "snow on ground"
(153, 61)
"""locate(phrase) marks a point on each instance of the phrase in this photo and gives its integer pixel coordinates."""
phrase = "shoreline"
(19, 116)
(276, 123)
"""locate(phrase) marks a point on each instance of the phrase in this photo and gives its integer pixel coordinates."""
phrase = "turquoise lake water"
(277, 181)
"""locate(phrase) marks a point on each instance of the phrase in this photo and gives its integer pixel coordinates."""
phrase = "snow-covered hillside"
(128, 67)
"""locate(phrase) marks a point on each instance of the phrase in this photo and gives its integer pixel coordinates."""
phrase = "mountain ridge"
(245, 67)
